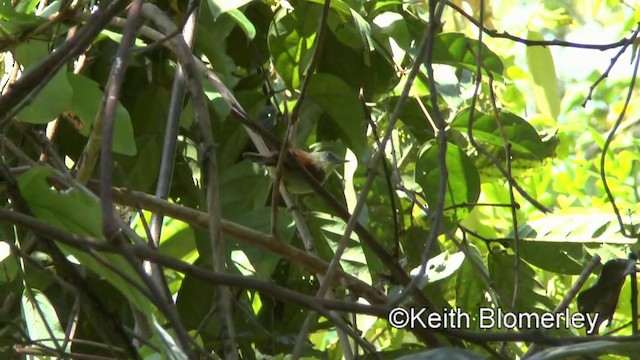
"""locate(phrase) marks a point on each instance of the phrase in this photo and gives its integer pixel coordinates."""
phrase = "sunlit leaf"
(41, 320)
(524, 139)
(221, 6)
(543, 77)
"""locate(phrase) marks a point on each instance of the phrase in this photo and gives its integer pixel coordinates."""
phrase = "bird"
(319, 164)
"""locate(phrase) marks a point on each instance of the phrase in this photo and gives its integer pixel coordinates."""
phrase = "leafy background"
(539, 118)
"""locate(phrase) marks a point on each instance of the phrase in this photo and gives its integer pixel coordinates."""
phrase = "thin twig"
(605, 148)
(613, 61)
(506, 35)
(144, 252)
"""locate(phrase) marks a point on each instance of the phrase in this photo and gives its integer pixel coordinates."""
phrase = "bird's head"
(327, 160)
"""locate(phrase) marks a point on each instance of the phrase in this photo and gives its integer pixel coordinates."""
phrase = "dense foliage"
(491, 168)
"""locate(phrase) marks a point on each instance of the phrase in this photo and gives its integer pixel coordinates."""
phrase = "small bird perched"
(319, 164)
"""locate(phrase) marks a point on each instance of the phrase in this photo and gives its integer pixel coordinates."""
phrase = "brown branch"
(144, 252)
(245, 235)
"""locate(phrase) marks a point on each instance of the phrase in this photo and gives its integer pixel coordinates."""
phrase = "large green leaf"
(215, 50)
(87, 98)
(41, 320)
(531, 294)
(341, 103)
(142, 170)
(77, 213)
(463, 185)
(230, 7)
(557, 243)
(364, 28)
(413, 117)
(357, 259)
(543, 78)
(577, 225)
(243, 187)
(177, 239)
(524, 139)
(221, 6)
(13, 23)
(470, 287)
(559, 257)
(259, 219)
(244, 23)
(55, 97)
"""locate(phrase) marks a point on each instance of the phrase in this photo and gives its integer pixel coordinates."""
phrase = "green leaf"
(263, 262)
(356, 259)
(463, 186)
(177, 239)
(557, 243)
(341, 103)
(55, 97)
(290, 40)
(364, 28)
(78, 213)
(243, 187)
(87, 99)
(142, 170)
(525, 140)
(194, 302)
(602, 298)
(559, 257)
(27, 6)
(531, 294)
(338, 5)
(13, 23)
(414, 118)
(170, 349)
(544, 81)
(577, 225)
(9, 266)
(215, 50)
(470, 287)
(218, 7)
(393, 24)
(41, 320)
(456, 49)
(244, 23)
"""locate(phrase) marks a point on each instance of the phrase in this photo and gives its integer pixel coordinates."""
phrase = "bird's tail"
(269, 159)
